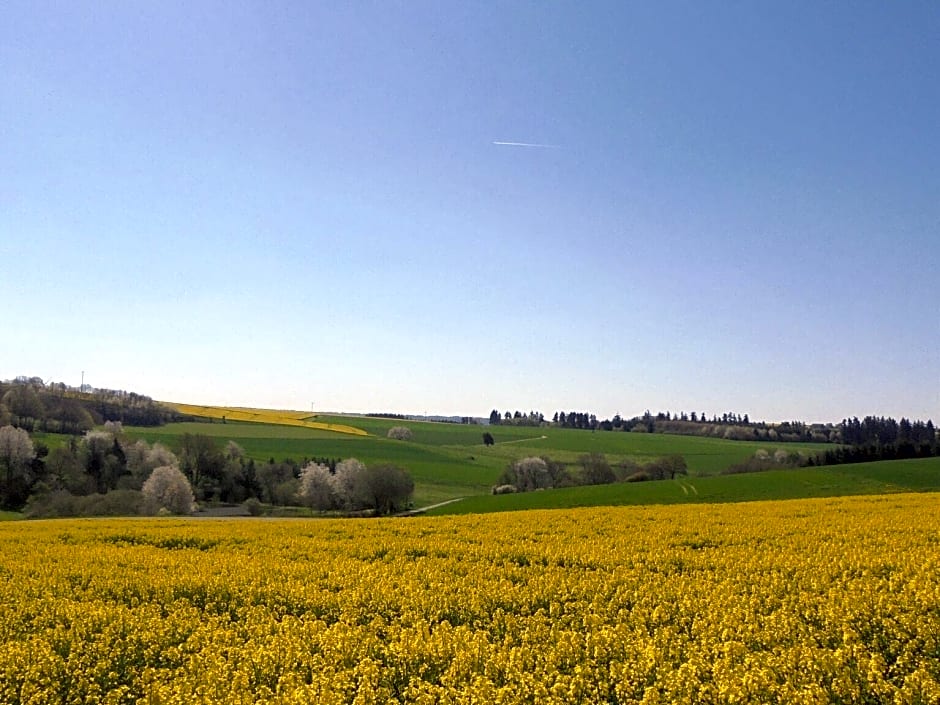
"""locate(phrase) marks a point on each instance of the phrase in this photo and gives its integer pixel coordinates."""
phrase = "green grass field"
(450, 460)
(886, 477)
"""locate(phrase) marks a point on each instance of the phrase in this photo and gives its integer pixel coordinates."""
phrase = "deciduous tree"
(16, 454)
(167, 488)
(317, 487)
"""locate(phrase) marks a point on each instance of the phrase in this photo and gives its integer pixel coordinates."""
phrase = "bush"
(50, 506)
(595, 470)
(626, 468)
(64, 504)
(666, 468)
(762, 461)
(504, 489)
(400, 433)
(253, 505)
(117, 503)
(167, 488)
(639, 476)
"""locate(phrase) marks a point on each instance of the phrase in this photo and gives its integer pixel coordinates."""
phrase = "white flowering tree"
(399, 433)
(349, 483)
(167, 488)
(318, 487)
(16, 453)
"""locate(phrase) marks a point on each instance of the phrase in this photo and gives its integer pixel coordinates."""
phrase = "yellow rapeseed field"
(815, 601)
(303, 419)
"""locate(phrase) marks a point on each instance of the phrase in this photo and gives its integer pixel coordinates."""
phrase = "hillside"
(886, 477)
(450, 460)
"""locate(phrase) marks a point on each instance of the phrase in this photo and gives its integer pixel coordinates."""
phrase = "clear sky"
(737, 207)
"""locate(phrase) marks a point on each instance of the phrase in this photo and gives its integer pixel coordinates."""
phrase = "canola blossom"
(303, 419)
(810, 601)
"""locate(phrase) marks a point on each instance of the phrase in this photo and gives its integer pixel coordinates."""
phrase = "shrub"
(52, 505)
(504, 489)
(667, 467)
(762, 460)
(626, 468)
(595, 470)
(61, 503)
(117, 503)
(253, 505)
(400, 433)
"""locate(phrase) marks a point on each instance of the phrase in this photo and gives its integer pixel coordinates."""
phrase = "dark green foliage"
(57, 408)
(65, 471)
(253, 506)
(61, 503)
(388, 488)
(595, 470)
(278, 481)
(919, 475)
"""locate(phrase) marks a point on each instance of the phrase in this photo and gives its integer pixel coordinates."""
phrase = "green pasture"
(885, 477)
(450, 460)
(440, 472)
(703, 455)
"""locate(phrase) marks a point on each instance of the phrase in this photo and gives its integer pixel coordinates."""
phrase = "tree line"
(74, 477)
(31, 404)
(542, 472)
(735, 426)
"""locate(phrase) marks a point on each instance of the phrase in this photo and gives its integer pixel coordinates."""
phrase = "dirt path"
(422, 510)
(522, 440)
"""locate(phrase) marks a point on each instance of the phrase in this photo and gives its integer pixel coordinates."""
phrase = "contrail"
(525, 144)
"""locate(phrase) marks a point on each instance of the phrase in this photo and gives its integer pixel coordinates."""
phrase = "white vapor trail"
(525, 144)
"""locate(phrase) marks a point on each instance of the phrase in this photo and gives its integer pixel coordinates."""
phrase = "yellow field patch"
(808, 601)
(269, 416)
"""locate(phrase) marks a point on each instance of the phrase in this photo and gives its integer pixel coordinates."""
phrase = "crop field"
(450, 460)
(265, 416)
(803, 601)
(887, 476)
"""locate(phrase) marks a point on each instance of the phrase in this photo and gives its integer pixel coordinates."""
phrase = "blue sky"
(303, 204)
